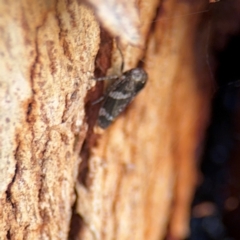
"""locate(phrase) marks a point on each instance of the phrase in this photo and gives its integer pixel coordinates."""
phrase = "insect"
(120, 94)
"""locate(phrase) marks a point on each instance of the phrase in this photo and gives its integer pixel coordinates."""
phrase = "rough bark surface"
(138, 176)
(48, 50)
(142, 174)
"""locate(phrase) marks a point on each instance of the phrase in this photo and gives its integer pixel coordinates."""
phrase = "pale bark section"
(120, 18)
(47, 56)
(142, 174)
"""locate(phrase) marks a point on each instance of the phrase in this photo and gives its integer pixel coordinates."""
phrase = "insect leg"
(120, 51)
(105, 78)
(98, 100)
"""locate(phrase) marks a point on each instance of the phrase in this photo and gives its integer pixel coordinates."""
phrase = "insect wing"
(120, 94)
(117, 98)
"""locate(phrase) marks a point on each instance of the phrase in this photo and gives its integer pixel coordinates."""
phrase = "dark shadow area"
(216, 205)
(102, 63)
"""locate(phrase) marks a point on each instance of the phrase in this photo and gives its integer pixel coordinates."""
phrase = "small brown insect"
(120, 94)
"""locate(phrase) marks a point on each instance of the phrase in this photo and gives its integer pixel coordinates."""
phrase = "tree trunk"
(61, 175)
(48, 50)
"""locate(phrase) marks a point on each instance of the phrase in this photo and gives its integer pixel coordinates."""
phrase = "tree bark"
(141, 173)
(63, 177)
(48, 50)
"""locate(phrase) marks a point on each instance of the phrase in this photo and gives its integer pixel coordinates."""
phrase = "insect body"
(120, 94)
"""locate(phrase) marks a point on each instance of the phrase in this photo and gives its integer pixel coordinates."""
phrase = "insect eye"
(139, 75)
(138, 78)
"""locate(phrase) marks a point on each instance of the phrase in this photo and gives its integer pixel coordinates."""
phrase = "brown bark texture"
(62, 177)
(48, 50)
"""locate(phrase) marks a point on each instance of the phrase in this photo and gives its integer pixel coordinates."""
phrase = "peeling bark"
(142, 170)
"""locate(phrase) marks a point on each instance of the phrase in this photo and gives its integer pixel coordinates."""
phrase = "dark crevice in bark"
(29, 111)
(102, 63)
(8, 191)
(75, 227)
(75, 224)
(8, 234)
